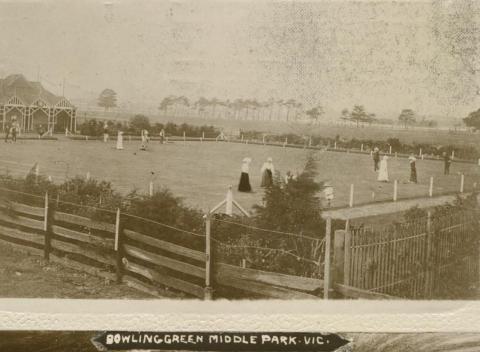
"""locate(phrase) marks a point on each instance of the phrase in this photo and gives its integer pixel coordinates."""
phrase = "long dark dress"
(376, 160)
(244, 185)
(267, 178)
(413, 172)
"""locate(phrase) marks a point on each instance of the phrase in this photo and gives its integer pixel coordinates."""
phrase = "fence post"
(390, 150)
(361, 148)
(184, 138)
(203, 136)
(87, 177)
(395, 190)
(338, 257)
(326, 269)
(208, 292)
(350, 203)
(310, 142)
(46, 229)
(462, 182)
(453, 154)
(229, 202)
(335, 145)
(348, 253)
(37, 172)
(430, 188)
(428, 259)
(118, 248)
(420, 153)
(150, 189)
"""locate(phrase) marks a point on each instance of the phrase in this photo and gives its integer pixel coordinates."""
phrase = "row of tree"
(270, 110)
(238, 109)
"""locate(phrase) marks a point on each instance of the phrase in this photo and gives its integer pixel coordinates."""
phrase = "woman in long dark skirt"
(267, 173)
(413, 168)
(244, 185)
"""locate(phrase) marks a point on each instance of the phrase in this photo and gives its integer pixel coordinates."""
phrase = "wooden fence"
(148, 256)
(427, 258)
(424, 259)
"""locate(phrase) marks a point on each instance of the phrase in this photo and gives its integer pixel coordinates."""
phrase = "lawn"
(202, 172)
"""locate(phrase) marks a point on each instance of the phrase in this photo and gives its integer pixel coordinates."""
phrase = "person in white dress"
(120, 140)
(383, 170)
(145, 140)
(244, 184)
(267, 171)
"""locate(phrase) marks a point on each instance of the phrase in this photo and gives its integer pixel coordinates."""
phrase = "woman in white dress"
(383, 170)
(120, 140)
(244, 184)
(267, 172)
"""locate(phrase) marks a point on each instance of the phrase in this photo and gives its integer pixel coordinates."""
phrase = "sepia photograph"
(241, 150)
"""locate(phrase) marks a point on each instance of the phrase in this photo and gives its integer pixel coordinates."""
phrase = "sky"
(385, 55)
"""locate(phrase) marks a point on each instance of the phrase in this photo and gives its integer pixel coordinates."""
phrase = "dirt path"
(28, 276)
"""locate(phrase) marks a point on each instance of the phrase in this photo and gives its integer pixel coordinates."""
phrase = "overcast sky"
(384, 55)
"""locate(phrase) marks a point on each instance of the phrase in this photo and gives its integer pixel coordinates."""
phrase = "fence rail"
(147, 260)
(434, 257)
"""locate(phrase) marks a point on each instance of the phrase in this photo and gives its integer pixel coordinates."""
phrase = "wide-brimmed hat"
(270, 160)
(247, 160)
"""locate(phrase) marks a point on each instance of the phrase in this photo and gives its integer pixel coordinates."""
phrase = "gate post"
(46, 229)
(338, 257)
(326, 269)
(118, 248)
(208, 265)
(348, 254)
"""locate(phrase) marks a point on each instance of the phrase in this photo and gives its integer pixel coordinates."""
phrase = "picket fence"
(430, 258)
(138, 252)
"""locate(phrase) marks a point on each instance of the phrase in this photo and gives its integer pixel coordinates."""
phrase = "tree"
(294, 206)
(315, 113)
(358, 114)
(407, 116)
(290, 103)
(107, 99)
(345, 116)
(166, 103)
(473, 120)
(371, 118)
(139, 122)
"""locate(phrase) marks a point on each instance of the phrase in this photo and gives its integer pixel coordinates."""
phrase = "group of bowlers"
(267, 171)
(381, 166)
(143, 134)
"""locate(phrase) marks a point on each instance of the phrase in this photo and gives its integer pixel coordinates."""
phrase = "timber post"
(208, 291)
(118, 248)
(348, 254)
(338, 268)
(326, 269)
(47, 229)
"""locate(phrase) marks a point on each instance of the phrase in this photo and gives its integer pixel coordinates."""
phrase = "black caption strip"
(218, 341)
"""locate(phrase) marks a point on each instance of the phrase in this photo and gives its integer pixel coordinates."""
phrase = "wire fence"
(248, 246)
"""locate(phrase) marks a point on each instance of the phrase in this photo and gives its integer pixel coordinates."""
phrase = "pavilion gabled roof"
(27, 91)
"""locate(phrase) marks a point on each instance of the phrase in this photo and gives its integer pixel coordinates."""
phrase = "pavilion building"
(33, 106)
